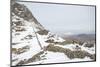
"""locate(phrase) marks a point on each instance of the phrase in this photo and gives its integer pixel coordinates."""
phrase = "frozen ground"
(26, 39)
(58, 57)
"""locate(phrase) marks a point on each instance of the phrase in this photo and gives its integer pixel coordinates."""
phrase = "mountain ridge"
(33, 44)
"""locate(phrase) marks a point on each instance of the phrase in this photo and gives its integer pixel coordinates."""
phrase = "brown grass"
(20, 50)
(69, 53)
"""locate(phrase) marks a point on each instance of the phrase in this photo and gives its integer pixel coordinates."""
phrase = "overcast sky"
(64, 18)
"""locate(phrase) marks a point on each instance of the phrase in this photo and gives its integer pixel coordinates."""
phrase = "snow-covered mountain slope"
(33, 44)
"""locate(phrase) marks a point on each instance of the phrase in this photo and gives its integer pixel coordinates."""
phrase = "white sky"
(64, 18)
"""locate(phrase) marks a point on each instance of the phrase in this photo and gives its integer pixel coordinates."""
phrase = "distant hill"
(80, 37)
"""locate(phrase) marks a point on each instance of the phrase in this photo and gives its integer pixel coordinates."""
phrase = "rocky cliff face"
(33, 44)
(23, 12)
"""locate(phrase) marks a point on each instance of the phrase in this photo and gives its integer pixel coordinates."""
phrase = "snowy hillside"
(33, 44)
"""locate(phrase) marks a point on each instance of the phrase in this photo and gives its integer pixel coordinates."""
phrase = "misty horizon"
(64, 18)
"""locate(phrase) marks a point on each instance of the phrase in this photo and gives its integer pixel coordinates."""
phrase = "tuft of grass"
(53, 48)
(15, 43)
(32, 59)
(68, 42)
(19, 29)
(89, 45)
(60, 43)
(20, 50)
(65, 42)
(14, 50)
(71, 54)
(50, 41)
(42, 32)
(76, 54)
